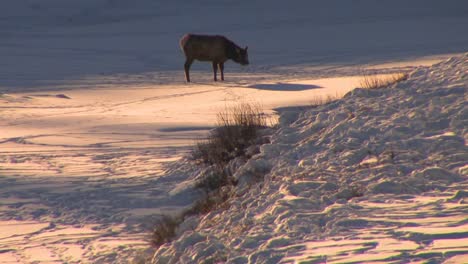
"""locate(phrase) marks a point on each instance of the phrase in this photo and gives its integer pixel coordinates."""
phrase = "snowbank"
(377, 176)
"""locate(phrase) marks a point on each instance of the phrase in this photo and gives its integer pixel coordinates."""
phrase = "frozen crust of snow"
(379, 176)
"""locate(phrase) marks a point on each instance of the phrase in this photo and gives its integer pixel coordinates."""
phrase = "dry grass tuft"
(323, 100)
(214, 180)
(164, 231)
(375, 81)
(238, 128)
(212, 201)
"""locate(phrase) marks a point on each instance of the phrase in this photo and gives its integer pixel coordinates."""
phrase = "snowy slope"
(380, 176)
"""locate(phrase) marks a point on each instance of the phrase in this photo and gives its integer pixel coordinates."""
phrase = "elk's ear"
(246, 47)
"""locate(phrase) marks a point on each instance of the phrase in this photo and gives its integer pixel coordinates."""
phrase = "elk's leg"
(215, 69)
(188, 63)
(221, 69)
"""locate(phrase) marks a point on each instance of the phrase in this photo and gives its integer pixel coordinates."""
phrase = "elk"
(214, 48)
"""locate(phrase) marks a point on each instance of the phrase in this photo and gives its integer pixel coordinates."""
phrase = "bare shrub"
(164, 230)
(374, 81)
(237, 129)
(214, 180)
(203, 206)
(213, 200)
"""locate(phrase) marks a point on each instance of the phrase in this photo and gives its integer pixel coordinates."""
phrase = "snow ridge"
(377, 176)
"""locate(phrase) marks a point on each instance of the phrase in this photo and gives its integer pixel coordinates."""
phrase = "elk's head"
(242, 56)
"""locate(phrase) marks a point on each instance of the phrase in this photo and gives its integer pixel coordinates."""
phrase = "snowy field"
(95, 118)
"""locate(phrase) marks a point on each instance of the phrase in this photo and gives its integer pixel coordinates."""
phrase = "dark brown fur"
(217, 49)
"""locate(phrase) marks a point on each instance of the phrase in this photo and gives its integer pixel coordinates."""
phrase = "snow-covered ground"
(380, 176)
(95, 118)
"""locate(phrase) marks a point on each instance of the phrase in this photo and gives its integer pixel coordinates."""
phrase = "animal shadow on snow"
(284, 86)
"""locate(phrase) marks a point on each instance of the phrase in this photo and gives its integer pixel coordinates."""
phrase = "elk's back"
(204, 48)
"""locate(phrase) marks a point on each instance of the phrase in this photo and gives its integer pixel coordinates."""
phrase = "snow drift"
(380, 175)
